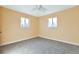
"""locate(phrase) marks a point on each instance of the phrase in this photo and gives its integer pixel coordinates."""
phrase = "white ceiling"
(29, 9)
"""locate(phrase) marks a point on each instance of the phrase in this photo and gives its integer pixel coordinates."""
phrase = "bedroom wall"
(67, 29)
(0, 25)
(0, 19)
(11, 30)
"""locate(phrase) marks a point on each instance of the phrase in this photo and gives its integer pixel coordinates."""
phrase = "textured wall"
(68, 26)
(11, 30)
(67, 30)
(0, 25)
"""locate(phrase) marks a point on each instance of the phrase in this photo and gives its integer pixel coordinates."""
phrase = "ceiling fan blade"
(39, 8)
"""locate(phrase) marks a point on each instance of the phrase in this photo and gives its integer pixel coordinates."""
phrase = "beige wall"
(0, 22)
(67, 30)
(68, 26)
(0, 19)
(11, 30)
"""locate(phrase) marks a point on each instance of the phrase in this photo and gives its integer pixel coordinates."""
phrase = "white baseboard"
(16, 41)
(71, 43)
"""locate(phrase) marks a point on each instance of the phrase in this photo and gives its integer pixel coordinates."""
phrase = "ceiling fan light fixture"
(39, 8)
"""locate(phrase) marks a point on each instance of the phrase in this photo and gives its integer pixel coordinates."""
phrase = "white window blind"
(52, 22)
(24, 22)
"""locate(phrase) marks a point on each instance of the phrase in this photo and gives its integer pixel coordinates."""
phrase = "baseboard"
(17, 41)
(71, 43)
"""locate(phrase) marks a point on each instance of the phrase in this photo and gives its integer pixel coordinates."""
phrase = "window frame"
(24, 22)
(53, 22)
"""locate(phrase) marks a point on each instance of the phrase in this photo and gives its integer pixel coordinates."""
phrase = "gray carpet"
(39, 46)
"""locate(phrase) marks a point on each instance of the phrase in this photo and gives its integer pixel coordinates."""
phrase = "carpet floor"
(39, 46)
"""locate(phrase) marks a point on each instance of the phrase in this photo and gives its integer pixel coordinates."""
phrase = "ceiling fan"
(39, 8)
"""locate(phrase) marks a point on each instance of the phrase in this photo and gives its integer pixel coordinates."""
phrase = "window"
(52, 22)
(24, 22)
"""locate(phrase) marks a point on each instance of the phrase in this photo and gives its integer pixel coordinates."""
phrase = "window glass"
(24, 22)
(52, 22)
